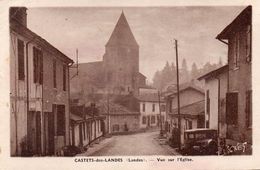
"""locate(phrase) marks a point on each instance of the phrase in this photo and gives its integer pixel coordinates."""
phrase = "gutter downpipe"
(218, 104)
(227, 87)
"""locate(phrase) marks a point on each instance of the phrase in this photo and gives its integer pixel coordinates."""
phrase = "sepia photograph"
(130, 81)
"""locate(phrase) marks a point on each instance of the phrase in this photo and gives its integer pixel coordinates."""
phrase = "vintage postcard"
(129, 85)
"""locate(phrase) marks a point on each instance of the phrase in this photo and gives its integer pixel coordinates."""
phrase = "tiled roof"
(141, 75)
(91, 68)
(149, 97)
(183, 87)
(115, 109)
(193, 109)
(89, 73)
(214, 73)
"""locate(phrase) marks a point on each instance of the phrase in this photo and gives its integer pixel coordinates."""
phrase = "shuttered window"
(248, 43)
(232, 108)
(54, 74)
(236, 50)
(64, 77)
(249, 108)
(37, 66)
(61, 120)
(21, 60)
(153, 107)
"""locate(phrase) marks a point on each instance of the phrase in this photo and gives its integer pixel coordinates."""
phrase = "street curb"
(96, 147)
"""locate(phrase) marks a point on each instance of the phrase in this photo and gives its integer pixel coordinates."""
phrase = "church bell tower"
(121, 59)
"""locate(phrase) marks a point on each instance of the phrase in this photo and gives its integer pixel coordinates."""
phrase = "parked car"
(200, 142)
(70, 150)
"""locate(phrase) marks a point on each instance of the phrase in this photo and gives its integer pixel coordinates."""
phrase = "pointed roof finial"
(122, 14)
(122, 33)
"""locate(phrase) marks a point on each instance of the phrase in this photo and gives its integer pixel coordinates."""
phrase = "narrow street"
(135, 144)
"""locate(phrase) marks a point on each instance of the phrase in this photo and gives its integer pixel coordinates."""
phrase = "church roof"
(89, 74)
(122, 34)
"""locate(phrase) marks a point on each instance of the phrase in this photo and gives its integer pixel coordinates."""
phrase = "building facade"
(39, 91)
(215, 86)
(237, 35)
(122, 122)
(118, 72)
(191, 109)
(153, 110)
(84, 130)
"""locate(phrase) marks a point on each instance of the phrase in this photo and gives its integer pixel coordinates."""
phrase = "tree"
(220, 64)
(207, 67)
(157, 79)
(194, 71)
(173, 73)
(184, 73)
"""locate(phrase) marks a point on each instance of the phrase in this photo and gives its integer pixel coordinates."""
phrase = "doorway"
(51, 133)
(34, 132)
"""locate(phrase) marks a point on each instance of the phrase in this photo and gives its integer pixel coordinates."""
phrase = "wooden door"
(51, 133)
(31, 132)
(73, 134)
(38, 133)
(80, 134)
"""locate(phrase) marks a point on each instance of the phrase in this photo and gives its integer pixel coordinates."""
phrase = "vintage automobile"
(200, 142)
(70, 150)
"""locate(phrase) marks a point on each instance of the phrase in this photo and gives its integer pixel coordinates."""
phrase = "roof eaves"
(40, 39)
(214, 73)
(239, 20)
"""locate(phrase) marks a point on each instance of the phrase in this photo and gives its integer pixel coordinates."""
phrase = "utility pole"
(159, 99)
(77, 65)
(178, 93)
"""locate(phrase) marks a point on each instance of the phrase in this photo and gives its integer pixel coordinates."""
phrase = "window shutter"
(21, 60)
(249, 108)
(238, 49)
(35, 64)
(64, 77)
(41, 67)
(54, 74)
(232, 108)
(248, 43)
(61, 120)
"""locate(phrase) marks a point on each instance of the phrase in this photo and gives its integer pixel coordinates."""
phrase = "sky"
(155, 28)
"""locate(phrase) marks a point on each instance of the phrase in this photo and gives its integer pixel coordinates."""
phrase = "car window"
(191, 136)
(210, 134)
(200, 136)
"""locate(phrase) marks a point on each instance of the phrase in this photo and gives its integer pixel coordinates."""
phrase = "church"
(118, 73)
(112, 84)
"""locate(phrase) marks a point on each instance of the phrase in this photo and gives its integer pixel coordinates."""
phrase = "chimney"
(18, 14)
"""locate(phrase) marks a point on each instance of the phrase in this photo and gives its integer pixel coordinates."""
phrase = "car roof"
(200, 130)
